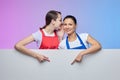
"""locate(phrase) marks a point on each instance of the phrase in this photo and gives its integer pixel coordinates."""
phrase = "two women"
(51, 34)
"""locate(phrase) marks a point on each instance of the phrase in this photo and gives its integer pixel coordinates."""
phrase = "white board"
(103, 65)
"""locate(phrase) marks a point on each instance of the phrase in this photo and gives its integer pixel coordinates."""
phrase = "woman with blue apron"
(69, 26)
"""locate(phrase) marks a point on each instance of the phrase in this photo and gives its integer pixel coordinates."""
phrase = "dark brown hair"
(71, 17)
(52, 14)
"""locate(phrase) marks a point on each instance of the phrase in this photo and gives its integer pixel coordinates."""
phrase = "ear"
(75, 27)
(53, 21)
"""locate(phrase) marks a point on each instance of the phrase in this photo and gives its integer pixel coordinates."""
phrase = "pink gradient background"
(20, 18)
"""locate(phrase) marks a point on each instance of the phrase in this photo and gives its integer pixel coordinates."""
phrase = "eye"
(64, 24)
(70, 24)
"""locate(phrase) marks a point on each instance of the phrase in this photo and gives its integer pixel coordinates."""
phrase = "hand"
(42, 58)
(77, 59)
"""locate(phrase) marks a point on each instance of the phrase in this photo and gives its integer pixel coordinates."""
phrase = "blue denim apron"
(79, 47)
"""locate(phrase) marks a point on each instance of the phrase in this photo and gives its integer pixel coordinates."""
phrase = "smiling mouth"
(67, 30)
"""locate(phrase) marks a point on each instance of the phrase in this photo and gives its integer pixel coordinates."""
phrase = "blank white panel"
(103, 65)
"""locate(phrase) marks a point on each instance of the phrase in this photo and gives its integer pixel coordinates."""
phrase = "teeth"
(67, 30)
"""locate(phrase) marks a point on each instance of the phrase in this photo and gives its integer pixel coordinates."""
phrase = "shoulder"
(62, 44)
(83, 36)
(37, 35)
(63, 41)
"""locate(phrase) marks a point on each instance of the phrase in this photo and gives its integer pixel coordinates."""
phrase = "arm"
(60, 33)
(20, 46)
(95, 46)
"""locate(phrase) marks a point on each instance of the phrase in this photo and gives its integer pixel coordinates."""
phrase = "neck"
(49, 29)
(72, 37)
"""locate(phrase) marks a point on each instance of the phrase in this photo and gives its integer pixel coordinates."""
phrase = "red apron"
(49, 42)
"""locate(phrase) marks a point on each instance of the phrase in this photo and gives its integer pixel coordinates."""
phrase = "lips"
(67, 30)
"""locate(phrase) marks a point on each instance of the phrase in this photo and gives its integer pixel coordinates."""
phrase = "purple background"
(99, 18)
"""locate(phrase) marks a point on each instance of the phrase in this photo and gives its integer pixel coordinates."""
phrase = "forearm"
(25, 50)
(92, 49)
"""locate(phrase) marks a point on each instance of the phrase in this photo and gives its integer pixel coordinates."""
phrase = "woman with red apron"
(53, 22)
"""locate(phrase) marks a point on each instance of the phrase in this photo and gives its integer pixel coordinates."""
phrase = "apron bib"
(49, 42)
(79, 47)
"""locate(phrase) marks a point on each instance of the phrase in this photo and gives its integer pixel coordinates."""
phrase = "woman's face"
(69, 26)
(58, 22)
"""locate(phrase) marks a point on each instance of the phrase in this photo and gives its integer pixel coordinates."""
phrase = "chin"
(68, 33)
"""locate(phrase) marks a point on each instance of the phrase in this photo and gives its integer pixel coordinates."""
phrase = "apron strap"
(81, 42)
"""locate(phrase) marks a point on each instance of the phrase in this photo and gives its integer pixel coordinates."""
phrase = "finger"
(79, 60)
(41, 60)
(46, 59)
(73, 62)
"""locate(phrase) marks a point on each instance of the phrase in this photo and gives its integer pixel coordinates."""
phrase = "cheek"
(59, 22)
(73, 27)
(64, 27)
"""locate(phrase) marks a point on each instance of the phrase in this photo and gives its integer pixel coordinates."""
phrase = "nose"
(66, 26)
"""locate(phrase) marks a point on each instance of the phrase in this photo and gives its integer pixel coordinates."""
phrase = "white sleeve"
(62, 44)
(84, 37)
(37, 37)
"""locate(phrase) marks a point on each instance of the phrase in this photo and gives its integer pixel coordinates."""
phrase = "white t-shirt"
(75, 43)
(38, 36)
